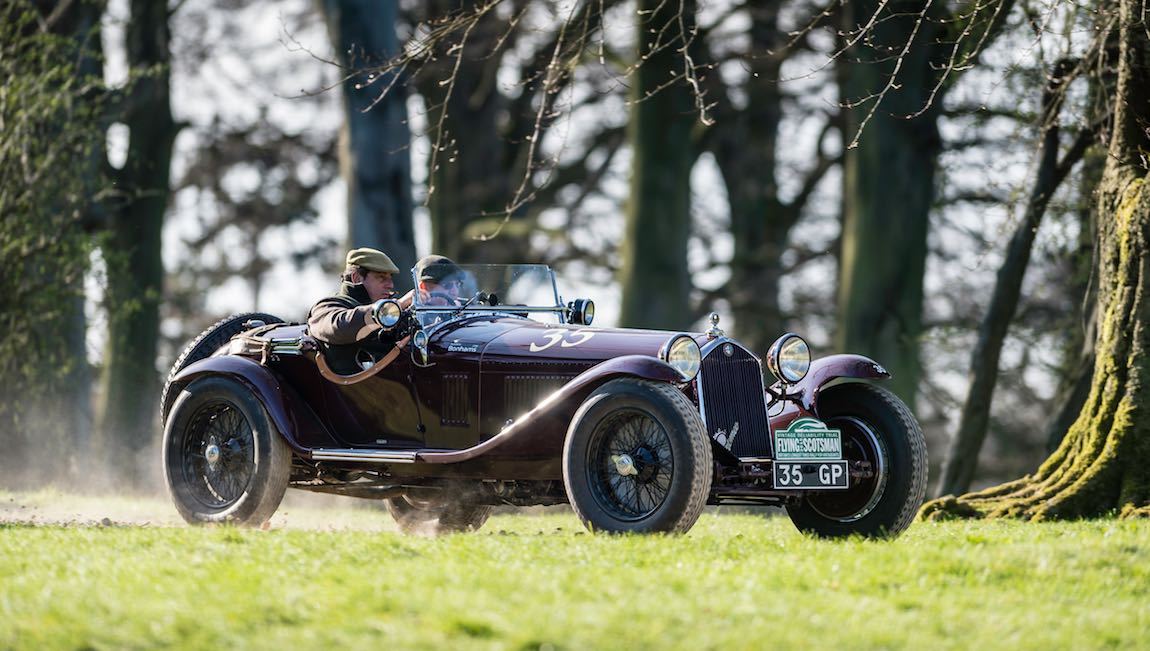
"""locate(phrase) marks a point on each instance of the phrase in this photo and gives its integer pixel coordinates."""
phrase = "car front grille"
(732, 399)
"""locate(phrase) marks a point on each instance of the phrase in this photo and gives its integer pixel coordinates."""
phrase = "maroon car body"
(484, 405)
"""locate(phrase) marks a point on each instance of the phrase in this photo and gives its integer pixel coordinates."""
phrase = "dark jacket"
(344, 327)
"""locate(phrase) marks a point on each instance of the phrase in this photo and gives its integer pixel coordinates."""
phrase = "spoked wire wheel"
(637, 459)
(630, 464)
(223, 459)
(456, 511)
(219, 455)
(203, 346)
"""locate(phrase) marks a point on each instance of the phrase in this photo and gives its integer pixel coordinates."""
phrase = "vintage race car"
(508, 396)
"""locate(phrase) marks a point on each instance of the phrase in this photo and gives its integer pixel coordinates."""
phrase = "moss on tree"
(1101, 468)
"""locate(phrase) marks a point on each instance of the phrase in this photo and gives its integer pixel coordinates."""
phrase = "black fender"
(296, 422)
(542, 429)
(832, 369)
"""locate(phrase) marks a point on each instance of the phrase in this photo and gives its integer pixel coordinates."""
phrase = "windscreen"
(487, 288)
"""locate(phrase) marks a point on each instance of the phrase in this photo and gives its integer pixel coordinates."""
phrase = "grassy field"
(343, 578)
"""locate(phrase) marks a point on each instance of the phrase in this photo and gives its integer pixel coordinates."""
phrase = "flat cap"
(372, 260)
(436, 269)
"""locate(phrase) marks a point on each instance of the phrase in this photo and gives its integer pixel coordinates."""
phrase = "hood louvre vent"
(455, 403)
(522, 392)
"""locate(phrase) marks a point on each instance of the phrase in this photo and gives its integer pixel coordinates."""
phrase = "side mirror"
(386, 313)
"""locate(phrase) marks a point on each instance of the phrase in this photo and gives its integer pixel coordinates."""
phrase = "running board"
(365, 456)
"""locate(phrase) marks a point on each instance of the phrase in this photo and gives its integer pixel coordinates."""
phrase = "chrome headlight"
(581, 311)
(682, 353)
(386, 313)
(789, 358)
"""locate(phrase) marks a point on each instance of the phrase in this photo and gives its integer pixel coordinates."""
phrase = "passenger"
(440, 280)
(350, 338)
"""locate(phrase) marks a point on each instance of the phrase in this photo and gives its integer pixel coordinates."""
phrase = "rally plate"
(808, 439)
(808, 455)
(825, 475)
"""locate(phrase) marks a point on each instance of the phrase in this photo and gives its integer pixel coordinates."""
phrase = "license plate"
(820, 474)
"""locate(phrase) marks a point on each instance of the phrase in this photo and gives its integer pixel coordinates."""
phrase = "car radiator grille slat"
(731, 395)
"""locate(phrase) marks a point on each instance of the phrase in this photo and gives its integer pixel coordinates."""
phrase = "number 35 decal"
(565, 339)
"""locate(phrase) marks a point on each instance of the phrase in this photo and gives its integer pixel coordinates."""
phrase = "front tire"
(223, 459)
(637, 459)
(877, 428)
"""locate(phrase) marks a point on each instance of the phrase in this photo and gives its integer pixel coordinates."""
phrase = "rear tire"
(223, 459)
(876, 427)
(206, 343)
(435, 516)
(637, 459)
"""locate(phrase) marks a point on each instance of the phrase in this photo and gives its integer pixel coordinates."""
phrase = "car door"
(380, 411)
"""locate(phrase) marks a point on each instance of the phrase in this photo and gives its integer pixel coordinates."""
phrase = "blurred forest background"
(913, 180)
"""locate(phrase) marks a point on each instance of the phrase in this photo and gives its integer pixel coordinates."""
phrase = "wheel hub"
(212, 454)
(640, 464)
(624, 464)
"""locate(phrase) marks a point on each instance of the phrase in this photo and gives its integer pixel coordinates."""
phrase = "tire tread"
(700, 449)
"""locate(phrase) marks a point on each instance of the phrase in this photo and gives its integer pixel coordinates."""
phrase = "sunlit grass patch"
(735, 581)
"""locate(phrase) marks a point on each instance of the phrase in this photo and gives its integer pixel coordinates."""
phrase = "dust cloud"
(53, 473)
(300, 510)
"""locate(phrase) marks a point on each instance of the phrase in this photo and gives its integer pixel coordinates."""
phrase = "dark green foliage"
(48, 132)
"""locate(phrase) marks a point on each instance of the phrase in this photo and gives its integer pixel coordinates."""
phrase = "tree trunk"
(375, 142)
(654, 278)
(1078, 364)
(487, 136)
(962, 453)
(471, 172)
(746, 152)
(133, 249)
(1103, 464)
(888, 186)
(1075, 386)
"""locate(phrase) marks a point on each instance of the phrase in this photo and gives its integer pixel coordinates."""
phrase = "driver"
(350, 338)
(440, 280)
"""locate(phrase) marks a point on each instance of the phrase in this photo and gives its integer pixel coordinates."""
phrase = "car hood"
(507, 339)
(544, 343)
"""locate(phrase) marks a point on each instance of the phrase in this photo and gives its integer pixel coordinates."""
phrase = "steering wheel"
(439, 298)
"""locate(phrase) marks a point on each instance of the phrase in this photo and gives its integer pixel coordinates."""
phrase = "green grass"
(525, 582)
